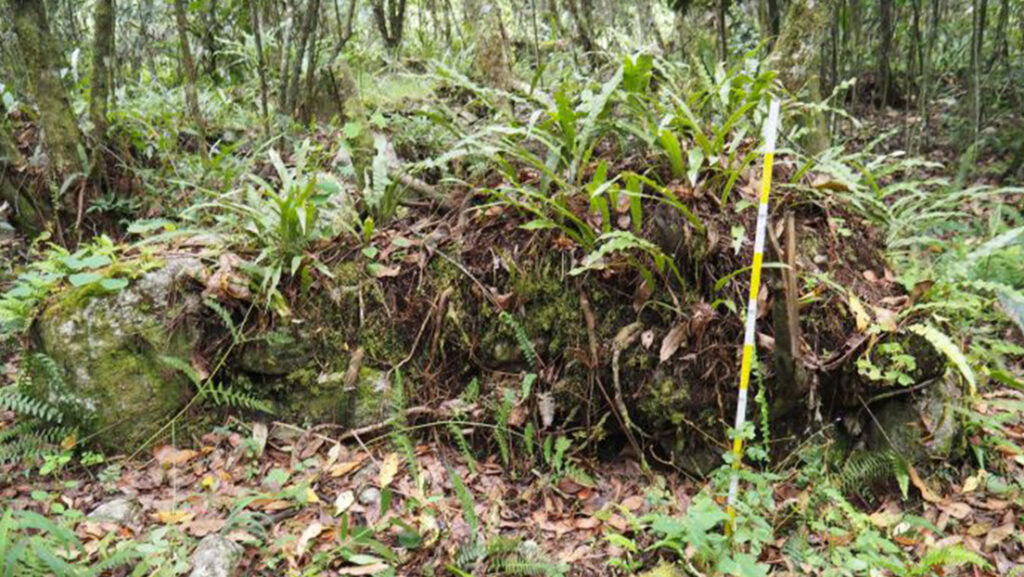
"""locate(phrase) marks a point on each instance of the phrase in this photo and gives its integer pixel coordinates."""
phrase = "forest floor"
(293, 498)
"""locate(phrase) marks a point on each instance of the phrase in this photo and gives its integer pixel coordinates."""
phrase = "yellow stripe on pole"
(771, 128)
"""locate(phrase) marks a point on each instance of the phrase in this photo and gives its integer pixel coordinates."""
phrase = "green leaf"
(84, 278)
(73, 262)
(946, 346)
(670, 143)
(150, 224)
(114, 284)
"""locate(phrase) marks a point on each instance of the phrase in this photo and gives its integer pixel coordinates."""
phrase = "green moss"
(315, 397)
(114, 385)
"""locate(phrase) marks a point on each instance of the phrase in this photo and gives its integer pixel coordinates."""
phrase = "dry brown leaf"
(926, 493)
(998, 534)
(343, 501)
(383, 271)
(311, 532)
(673, 340)
(860, 314)
(203, 527)
(388, 470)
(342, 469)
(172, 516)
(169, 456)
(958, 510)
(372, 569)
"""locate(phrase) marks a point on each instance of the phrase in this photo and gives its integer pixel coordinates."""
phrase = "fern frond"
(11, 399)
(865, 468)
(400, 435)
(522, 339)
(227, 396)
(463, 444)
(501, 434)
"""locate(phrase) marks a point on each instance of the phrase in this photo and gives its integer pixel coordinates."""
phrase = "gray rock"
(121, 511)
(922, 427)
(369, 496)
(108, 348)
(216, 557)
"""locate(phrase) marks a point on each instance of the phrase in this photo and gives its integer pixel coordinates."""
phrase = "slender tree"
(261, 68)
(390, 18)
(723, 31)
(102, 57)
(191, 97)
(885, 50)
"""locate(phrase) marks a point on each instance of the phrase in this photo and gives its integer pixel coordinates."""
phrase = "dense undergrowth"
(640, 173)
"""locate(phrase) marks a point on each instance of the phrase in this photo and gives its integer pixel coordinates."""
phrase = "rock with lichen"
(108, 348)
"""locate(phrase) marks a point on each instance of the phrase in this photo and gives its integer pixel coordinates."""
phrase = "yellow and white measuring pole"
(771, 129)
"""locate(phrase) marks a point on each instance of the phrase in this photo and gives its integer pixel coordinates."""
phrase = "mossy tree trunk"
(61, 136)
(24, 214)
(797, 58)
(102, 57)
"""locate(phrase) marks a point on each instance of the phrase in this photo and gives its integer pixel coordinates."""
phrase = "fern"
(517, 565)
(39, 428)
(865, 468)
(228, 396)
(465, 500)
(400, 436)
(455, 428)
(501, 433)
(522, 339)
(225, 317)
(218, 393)
(953, 555)
(11, 399)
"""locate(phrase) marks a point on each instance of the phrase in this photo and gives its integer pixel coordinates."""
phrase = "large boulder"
(108, 349)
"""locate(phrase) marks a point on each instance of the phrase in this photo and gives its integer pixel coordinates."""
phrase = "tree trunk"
(390, 18)
(307, 36)
(25, 213)
(885, 51)
(492, 60)
(102, 57)
(797, 58)
(723, 32)
(1002, 49)
(926, 73)
(974, 71)
(774, 18)
(61, 135)
(254, 15)
(191, 98)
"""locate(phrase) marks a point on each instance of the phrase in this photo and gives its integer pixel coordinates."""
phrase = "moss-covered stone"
(109, 348)
(322, 397)
(277, 352)
(922, 427)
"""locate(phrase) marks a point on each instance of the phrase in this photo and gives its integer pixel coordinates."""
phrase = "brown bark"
(191, 98)
(390, 18)
(254, 15)
(885, 50)
(102, 56)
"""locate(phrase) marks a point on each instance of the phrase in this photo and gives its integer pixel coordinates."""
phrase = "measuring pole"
(771, 129)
